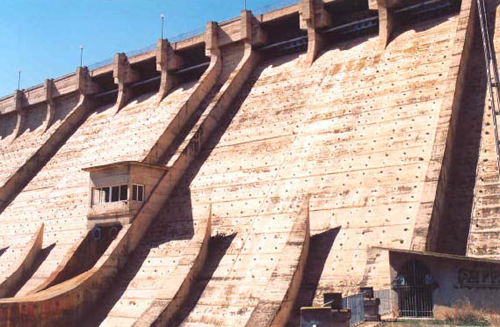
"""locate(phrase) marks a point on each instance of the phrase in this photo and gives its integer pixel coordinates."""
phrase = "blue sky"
(42, 37)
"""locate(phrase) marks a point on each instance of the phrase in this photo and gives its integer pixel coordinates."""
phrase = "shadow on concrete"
(335, 42)
(40, 258)
(454, 226)
(181, 136)
(420, 23)
(280, 60)
(217, 248)
(7, 125)
(2, 251)
(164, 229)
(319, 249)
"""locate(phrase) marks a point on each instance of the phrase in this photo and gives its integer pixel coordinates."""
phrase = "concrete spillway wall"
(363, 128)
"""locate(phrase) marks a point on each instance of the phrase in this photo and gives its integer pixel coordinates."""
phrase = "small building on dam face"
(427, 283)
(118, 190)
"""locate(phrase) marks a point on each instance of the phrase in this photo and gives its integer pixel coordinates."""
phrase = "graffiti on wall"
(479, 278)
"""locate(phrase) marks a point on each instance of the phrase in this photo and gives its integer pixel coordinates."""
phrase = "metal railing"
(491, 69)
(356, 303)
(100, 64)
(187, 35)
(196, 32)
(274, 6)
(142, 50)
(151, 47)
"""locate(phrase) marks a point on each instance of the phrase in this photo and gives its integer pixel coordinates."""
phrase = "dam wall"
(330, 128)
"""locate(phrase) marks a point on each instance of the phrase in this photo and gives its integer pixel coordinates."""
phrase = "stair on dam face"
(58, 195)
(191, 127)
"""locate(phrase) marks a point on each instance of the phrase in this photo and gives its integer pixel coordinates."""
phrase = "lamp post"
(245, 4)
(81, 56)
(19, 80)
(162, 22)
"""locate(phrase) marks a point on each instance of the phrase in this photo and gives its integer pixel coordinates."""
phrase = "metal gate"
(414, 285)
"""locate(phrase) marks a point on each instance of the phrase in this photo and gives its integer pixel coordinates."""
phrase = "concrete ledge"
(56, 274)
(178, 287)
(26, 260)
(18, 180)
(278, 299)
(20, 114)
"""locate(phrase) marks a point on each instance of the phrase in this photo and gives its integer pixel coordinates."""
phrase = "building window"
(110, 194)
(138, 192)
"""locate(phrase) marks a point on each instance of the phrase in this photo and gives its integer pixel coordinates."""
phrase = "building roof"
(123, 163)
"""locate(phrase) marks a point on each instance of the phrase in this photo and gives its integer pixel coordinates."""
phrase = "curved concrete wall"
(177, 286)
(279, 297)
(27, 258)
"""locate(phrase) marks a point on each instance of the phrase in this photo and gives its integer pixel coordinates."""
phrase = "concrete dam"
(317, 151)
